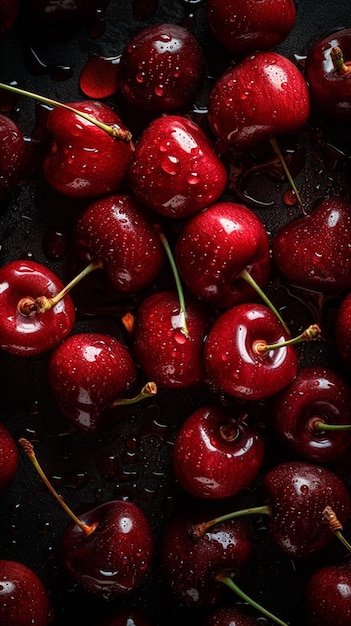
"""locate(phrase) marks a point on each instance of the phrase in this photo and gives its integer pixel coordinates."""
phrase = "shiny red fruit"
(162, 68)
(28, 335)
(23, 597)
(328, 596)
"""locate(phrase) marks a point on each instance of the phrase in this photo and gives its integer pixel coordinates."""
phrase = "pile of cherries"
(176, 322)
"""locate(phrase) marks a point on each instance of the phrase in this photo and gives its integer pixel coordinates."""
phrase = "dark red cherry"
(162, 68)
(216, 454)
(327, 596)
(228, 616)
(24, 599)
(24, 331)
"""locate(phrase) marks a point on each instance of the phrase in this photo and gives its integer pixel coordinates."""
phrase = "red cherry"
(191, 567)
(216, 454)
(117, 232)
(99, 77)
(166, 354)
(233, 358)
(306, 413)
(228, 616)
(262, 96)
(8, 457)
(127, 616)
(84, 160)
(24, 331)
(87, 372)
(162, 68)
(114, 557)
(246, 28)
(213, 249)
(175, 170)
(11, 155)
(328, 73)
(24, 599)
(342, 330)
(298, 493)
(328, 596)
(319, 256)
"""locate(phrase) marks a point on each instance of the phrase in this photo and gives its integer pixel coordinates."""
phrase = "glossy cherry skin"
(228, 616)
(164, 352)
(342, 330)
(116, 556)
(215, 245)
(8, 457)
(30, 335)
(161, 68)
(245, 28)
(23, 598)
(190, 566)
(328, 596)
(319, 256)
(84, 161)
(316, 394)
(298, 493)
(262, 96)
(116, 231)
(232, 362)
(11, 155)
(330, 90)
(86, 373)
(124, 616)
(175, 170)
(215, 454)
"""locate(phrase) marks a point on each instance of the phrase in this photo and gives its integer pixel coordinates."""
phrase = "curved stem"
(27, 447)
(176, 278)
(309, 334)
(113, 130)
(197, 530)
(148, 391)
(251, 281)
(279, 154)
(335, 526)
(226, 580)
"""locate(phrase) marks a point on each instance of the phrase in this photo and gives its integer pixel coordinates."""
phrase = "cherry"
(8, 457)
(167, 352)
(312, 415)
(221, 251)
(161, 68)
(12, 154)
(262, 96)
(300, 496)
(116, 230)
(216, 453)
(126, 616)
(228, 616)
(248, 354)
(108, 549)
(319, 254)
(174, 169)
(87, 373)
(328, 73)
(24, 599)
(342, 329)
(327, 596)
(27, 328)
(243, 29)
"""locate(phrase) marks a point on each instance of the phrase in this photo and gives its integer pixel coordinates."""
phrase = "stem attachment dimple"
(309, 334)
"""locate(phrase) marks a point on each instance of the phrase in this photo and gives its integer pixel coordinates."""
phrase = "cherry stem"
(335, 526)
(226, 580)
(198, 530)
(29, 450)
(309, 334)
(148, 391)
(279, 154)
(29, 306)
(317, 424)
(251, 281)
(113, 130)
(338, 61)
(184, 326)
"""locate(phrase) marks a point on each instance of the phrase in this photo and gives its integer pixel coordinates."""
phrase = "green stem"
(226, 580)
(176, 278)
(113, 130)
(279, 154)
(320, 426)
(251, 281)
(149, 390)
(197, 530)
(309, 334)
